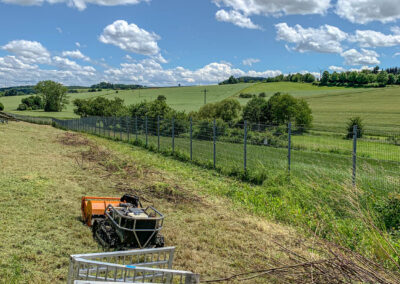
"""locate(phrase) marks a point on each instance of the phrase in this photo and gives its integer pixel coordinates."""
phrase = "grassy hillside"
(331, 106)
(41, 184)
(180, 98)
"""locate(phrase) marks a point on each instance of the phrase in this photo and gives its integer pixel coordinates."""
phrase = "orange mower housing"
(93, 207)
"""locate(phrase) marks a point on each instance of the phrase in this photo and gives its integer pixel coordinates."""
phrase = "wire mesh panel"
(266, 150)
(378, 161)
(202, 144)
(144, 266)
(320, 156)
(370, 162)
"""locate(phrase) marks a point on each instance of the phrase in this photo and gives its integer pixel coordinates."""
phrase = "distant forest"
(364, 78)
(110, 86)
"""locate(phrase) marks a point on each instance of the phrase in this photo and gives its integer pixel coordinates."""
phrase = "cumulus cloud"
(16, 72)
(325, 39)
(66, 64)
(131, 38)
(337, 68)
(78, 4)
(365, 11)
(28, 51)
(77, 54)
(369, 38)
(365, 57)
(276, 7)
(235, 18)
(250, 61)
(149, 72)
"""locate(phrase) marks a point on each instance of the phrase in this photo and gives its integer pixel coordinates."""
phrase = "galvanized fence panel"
(258, 150)
(144, 266)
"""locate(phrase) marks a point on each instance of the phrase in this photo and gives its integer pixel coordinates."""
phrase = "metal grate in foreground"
(132, 266)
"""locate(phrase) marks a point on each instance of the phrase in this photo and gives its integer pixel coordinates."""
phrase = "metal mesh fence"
(259, 151)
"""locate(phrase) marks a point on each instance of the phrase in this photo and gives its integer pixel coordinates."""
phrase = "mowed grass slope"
(43, 176)
(179, 98)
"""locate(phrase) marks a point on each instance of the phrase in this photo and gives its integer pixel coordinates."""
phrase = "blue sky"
(189, 42)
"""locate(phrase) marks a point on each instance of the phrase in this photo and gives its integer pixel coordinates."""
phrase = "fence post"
(109, 128)
(114, 125)
(146, 132)
(191, 139)
(127, 126)
(173, 135)
(214, 148)
(289, 145)
(245, 146)
(158, 133)
(354, 176)
(104, 126)
(136, 128)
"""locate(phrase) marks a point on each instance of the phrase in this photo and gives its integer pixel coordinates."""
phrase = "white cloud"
(276, 7)
(77, 44)
(396, 54)
(365, 57)
(250, 61)
(28, 51)
(16, 72)
(325, 39)
(77, 54)
(151, 73)
(131, 38)
(395, 30)
(78, 4)
(365, 11)
(59, 30)
(235, 18)
(337, 68)
(369, 38)
(66, 64)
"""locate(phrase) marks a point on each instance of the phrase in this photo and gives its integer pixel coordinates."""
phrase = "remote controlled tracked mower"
(122, 223)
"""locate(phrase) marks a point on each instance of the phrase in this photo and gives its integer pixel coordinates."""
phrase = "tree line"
(105, 85)
(364, 78)
(297, 78)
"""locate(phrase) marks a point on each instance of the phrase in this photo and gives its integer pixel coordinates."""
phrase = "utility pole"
(205, 96)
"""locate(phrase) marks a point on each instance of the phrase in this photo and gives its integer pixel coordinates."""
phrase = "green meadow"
(331, 106)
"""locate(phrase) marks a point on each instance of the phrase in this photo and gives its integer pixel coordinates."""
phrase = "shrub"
(246, 96)
(33, 102)
(1, 107)
(22, 107)
(355, 121)
(161, 98)
(227, 110)
(99, 106)
(262, 95)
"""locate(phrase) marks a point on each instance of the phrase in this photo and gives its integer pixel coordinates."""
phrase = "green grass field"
(179, 98)
(318, 195)
(41, 185)
(331, 106)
